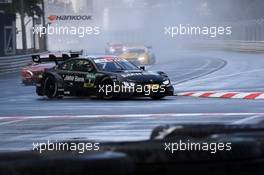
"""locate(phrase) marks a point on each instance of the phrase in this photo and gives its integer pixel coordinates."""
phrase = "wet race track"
(27, 118)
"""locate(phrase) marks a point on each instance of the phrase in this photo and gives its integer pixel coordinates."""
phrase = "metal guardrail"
(10, 64)
(13, 63)
(232, 45)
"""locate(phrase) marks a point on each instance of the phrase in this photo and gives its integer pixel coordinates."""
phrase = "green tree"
(24, 7)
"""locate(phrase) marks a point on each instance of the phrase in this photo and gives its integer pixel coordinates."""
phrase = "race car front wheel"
(107, 92)
(51, 87)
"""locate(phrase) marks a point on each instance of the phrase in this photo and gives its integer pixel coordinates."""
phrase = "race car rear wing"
(75, 54)
(55, 57)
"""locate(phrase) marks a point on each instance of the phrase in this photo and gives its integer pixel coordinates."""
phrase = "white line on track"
(189, 73)
(10, 122)
(248, 119)
(260, 97)
(227, 76)
(131, 115)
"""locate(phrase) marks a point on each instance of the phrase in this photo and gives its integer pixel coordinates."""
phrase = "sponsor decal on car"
(89, 81)
(69, 78)
(73, 78)
(90, 76)
(130, 74)
(108, 59)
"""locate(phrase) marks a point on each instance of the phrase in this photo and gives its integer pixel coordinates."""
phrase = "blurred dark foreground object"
(153, 156)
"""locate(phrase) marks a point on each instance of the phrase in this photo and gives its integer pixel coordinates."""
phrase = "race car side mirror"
(36, 58)
(142, 67)
(162, 74)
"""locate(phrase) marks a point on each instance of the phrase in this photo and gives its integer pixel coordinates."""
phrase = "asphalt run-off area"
(26, 118)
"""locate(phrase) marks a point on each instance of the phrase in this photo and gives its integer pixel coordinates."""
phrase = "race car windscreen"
(114, 65)
(135, 50)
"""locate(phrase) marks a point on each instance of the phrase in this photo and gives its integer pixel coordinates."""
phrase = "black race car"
(105, 77)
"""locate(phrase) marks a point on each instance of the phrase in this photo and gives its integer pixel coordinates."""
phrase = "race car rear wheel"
(51, 87)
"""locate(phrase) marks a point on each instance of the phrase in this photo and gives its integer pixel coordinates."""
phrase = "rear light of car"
(27, 74)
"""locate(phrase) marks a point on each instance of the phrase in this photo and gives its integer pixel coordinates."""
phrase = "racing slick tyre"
(51, 87)
(107, 83)
(157, 97)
